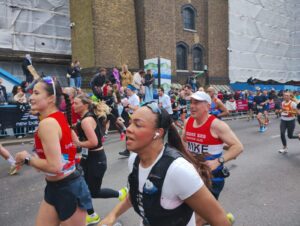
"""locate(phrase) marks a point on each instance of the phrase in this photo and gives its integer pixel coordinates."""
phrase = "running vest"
(200, 141)
(98, 131)
(287, 109)
(68, 150)
(147, 204)
(213, 107)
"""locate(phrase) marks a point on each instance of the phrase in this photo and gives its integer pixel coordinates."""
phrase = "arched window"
(188, 14)
(197, 58)
(181, 56)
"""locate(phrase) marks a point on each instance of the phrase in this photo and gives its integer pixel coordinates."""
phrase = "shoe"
(14, 170)
(122, 136)
(261, 129)
(283, 151)
(124, 153)
(92, 219)
(231, 218)
(123, 193)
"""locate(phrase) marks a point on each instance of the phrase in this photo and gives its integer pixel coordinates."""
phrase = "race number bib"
(85, 152)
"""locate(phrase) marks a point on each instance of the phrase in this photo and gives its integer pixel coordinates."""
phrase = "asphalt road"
(263, 189)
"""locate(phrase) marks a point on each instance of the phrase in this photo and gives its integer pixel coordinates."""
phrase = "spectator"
(3, 94)
(77, 74)
(192, 81)
(97, 82)
(126, 76)
(164, 101)
(20, 96)
(71, 75)
(148, 83)
(27, 62)
(115, 78)
(138, 80)
(231, 104)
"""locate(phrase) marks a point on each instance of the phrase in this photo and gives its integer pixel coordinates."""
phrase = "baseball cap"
(201, 96)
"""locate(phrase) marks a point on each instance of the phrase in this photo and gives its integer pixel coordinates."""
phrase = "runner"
(188, 93)
(217, 107)
(66, 197)
(93, 161)
(132, 104)
(205, 136)
(11, 160)
(165, 188)
(250, 99)
(288, 116)
(260, 102)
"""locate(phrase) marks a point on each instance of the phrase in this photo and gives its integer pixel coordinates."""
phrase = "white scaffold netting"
(35, 25)
(264, 40)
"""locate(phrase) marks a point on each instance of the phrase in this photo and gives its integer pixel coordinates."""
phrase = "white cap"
(201, 96)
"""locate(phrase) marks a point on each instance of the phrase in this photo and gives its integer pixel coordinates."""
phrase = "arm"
(88, 126)
(50, 134)
(222, 107)
(119, 209)
(221, 130)
(213, 212)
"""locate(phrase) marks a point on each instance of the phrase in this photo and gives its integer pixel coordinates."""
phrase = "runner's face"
(287, 97)
(79, 106)
(40, 99)
(198, 108)
(141, 130)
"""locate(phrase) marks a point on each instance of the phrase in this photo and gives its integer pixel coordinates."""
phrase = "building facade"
(193, 34)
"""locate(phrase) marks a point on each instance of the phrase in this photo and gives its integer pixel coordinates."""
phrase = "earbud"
(156, 135)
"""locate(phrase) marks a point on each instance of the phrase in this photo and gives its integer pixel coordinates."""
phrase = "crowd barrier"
(16, 120)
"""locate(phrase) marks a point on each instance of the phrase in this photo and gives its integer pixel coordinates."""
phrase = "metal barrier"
(16, 120)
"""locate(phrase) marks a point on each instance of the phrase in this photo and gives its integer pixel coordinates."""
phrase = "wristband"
(27, 160)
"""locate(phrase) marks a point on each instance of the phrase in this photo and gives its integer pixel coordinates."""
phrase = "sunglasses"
(153, 106)
(49, 80)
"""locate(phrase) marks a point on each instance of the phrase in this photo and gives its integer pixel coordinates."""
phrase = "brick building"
(193, 34)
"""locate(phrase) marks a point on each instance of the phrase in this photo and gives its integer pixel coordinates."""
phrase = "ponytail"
(68, 109)
(175, 141)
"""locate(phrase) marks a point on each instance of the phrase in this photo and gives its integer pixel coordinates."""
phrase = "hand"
(212, 164)
(107, 221)
(20, 157)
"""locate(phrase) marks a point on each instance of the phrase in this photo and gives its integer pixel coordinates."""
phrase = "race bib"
(85, 152)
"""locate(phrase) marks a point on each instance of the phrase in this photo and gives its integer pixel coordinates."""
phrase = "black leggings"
(289, 126)
(94, 168)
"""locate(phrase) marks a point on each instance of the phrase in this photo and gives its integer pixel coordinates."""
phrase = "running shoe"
(231, 218)
(261, 129)
(14, 169)
(264, 129)
(92, 219)
(283, 151)
(122, 136)
(123, 193)
(124, 153)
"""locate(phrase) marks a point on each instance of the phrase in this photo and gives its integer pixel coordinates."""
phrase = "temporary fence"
(16, 120)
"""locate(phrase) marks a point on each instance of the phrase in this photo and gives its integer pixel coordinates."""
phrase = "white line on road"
(275, 136)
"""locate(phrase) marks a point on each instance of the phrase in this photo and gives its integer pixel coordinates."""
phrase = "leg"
(47, 215)
(290, 129)
(77, 219)
(282, 133)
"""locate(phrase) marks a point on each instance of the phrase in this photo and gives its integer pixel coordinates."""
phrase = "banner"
(242, 105)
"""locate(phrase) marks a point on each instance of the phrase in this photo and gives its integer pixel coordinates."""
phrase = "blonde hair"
(100, 109)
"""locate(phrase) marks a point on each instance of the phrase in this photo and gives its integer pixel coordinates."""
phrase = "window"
(188, 14)
(197, 58)
(181, 56)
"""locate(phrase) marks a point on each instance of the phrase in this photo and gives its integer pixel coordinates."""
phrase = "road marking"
(275, 136)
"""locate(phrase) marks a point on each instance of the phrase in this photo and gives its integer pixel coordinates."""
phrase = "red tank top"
(68, 150)
(200, 139)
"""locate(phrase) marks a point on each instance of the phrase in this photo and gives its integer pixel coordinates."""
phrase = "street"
(263, 188)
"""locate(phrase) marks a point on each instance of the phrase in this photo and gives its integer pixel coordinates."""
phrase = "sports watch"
(27, 160)
(221, 160)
